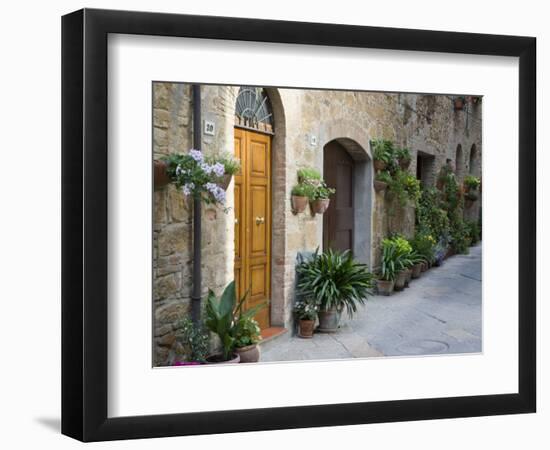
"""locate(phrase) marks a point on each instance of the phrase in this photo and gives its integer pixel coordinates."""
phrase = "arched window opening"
(253, 110)
(473, 160)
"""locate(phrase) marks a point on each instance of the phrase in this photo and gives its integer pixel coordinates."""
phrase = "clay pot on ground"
(225, 180)
(305, 328)
(160, 176)
(320, 206)
(417, 269)
(248, 354)
(400, 280)
(380, 185)
(218, 359)
(299, 203)
(379, 165)
(425, 266)
(329, 320)
(384, 287)
(409, 277)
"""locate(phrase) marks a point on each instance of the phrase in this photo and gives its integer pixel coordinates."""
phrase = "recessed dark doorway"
(338, 220)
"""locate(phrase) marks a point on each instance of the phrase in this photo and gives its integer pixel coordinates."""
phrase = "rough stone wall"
(305, 121)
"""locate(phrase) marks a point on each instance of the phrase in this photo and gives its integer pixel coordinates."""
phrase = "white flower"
(218, 169)
(196, 155)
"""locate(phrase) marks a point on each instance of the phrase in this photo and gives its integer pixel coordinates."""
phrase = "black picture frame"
(84, 224)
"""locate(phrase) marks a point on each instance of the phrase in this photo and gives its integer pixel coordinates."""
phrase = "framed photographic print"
(274, 224)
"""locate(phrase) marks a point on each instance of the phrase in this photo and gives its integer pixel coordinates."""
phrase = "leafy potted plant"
(336, 282)
(193, 343)
(403, 156)
(382, 180)
(247, 336)
(459, 103)
(386, 280)
(306, 313)
(401, 256)
(382, 153)
(309, 175)
(220, 321)
(231, 167)
(300, 197)
(320, 198)
(471, 184)
(197, 175)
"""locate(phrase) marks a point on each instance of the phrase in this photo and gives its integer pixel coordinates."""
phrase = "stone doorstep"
(273, 334)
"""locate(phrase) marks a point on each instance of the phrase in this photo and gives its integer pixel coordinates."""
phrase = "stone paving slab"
(440, 313)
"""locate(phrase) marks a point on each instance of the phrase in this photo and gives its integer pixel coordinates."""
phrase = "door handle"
(260, 220)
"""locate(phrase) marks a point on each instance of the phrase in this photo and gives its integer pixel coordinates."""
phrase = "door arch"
(356, 203)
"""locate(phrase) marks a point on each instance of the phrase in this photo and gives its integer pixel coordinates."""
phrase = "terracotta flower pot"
(425, 266)
(299, 203)
(400, 280)
(218, 359)
(459, 104)
(225, 181)
(320, 206)
(380, 185)
(379, 165)
(248, 354)
(404, 163)
(160, 176)
(417, 269)
(409, 277)
(305, 328)
(329, 320)
(384, 287)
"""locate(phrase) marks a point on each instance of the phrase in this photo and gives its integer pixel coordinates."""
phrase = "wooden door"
(339, 217)
(253, 221)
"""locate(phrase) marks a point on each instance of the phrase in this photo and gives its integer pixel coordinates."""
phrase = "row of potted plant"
(311, 189)
(387, 156)
(237, 332)
(399, 264)
(329, 283)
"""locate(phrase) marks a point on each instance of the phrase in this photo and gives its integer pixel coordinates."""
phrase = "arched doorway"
(253, 134)
(338, 220)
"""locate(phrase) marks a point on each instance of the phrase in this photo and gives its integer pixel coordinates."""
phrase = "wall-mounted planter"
(379, 165)
(161, 178)
(299, 203)
(225, 181)
(320, 206)
(459, 103)
(380, 185)
(404, 163)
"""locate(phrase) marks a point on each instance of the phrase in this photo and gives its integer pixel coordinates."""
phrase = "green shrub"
(384, 176)
(194, 340)
(424, 245)
(473, 230)
(308, 174)
(403, 154)
(382, 150)
(471, 182)
(335, 280)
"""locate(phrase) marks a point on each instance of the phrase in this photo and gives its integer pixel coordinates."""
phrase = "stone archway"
(355, 141)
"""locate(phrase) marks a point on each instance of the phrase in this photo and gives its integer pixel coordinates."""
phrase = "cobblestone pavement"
(440, 313)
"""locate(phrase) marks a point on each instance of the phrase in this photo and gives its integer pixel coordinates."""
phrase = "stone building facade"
(303, 123)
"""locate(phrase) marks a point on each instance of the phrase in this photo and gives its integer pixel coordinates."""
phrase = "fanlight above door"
(253, 109)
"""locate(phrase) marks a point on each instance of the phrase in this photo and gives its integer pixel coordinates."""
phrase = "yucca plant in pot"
(386, 279)
(337, 282)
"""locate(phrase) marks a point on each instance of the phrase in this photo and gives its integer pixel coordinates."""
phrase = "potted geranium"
(320, 198)
(336, 282)
(306, 313)
(300, 197)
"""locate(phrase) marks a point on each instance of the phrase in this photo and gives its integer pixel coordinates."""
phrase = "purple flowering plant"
(200, 176)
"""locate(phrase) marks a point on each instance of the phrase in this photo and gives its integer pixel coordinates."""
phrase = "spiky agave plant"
(335, 280)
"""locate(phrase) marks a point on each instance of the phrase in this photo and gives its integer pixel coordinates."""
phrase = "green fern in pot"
(337, 282)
